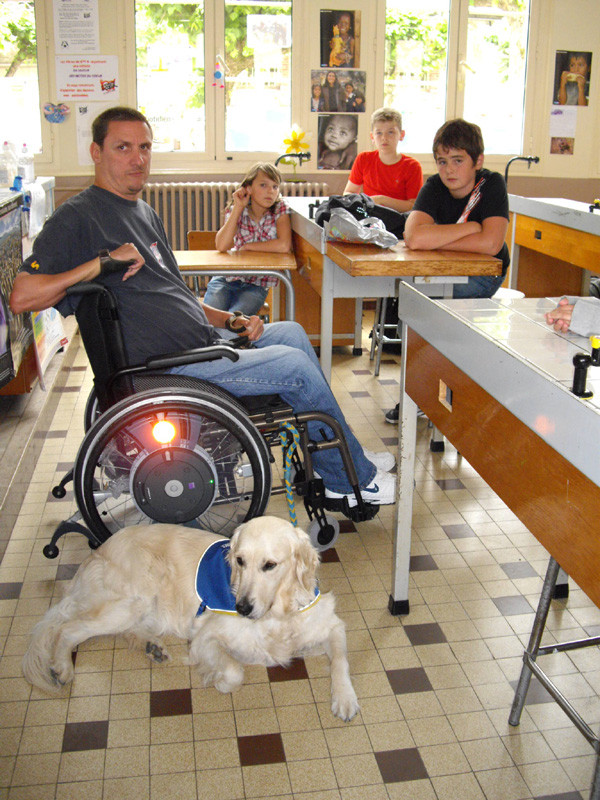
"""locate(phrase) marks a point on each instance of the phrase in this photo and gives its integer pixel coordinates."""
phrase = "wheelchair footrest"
(361, 512)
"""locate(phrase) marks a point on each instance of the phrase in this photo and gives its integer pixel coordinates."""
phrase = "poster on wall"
(572, 71)
(337, 90)
(79, 78)
(337, 147)
(76, 26)
(85, 114)
(563, 121)
(340, 39)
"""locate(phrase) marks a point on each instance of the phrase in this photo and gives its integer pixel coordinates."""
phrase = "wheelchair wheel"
(92, 410)
(210, 470)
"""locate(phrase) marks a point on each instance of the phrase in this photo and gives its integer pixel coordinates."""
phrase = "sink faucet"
(300, 156)
(529, 159)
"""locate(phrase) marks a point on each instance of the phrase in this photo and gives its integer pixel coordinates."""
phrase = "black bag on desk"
(361, 206)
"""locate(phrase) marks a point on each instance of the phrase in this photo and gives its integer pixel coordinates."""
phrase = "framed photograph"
(572, 71)
(337, 146)
(340, 39)
(337, 90)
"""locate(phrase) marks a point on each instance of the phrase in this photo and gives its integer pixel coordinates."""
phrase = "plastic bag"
(343, 227)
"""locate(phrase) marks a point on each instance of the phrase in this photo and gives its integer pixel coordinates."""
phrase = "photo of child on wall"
(340, 39)
(572, 72)
(337, 90)
(337, 141)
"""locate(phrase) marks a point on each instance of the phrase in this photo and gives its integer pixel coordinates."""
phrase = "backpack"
(361, 206)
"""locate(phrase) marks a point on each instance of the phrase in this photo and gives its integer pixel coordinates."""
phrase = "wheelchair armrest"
(192, 357)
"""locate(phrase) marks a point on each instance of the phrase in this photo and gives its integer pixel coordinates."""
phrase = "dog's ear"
(307, 561)
(230, 553)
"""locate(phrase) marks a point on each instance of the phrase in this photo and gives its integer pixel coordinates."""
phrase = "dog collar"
(213, 581)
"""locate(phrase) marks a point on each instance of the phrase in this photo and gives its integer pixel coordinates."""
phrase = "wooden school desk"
(496, 381)
(335, 269)
(213, 262)
(554, 242)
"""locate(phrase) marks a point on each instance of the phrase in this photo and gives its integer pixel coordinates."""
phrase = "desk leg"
(358, 312)
(407, 436)
(327, 317)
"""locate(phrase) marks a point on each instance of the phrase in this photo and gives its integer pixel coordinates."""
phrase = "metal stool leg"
(375, 329)
(380, 336)
(535, 639)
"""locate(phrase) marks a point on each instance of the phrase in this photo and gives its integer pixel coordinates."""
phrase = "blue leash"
(288, 451)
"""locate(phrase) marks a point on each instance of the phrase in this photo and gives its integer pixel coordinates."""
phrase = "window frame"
(456, 53)
(215, 157)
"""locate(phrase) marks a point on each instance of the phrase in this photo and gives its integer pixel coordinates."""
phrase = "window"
(458, 58)
(210, 92)
(18, 75)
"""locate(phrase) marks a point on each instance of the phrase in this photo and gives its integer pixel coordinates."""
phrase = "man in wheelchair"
(107, 234)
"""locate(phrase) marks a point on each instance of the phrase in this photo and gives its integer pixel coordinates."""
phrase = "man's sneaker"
(381, 491)
(393, 415)
(384, 461)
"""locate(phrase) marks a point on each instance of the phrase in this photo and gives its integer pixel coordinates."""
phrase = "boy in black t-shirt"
(463, 207)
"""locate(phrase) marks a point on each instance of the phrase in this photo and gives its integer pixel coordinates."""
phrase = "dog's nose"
(244, 607)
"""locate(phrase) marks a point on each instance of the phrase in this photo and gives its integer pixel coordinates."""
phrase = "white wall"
(556, 24)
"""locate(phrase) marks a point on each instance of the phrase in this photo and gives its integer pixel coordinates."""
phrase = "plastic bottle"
(4, 175)
(9, 159)
(25, 166)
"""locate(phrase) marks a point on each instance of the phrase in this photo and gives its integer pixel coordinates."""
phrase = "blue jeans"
(238, 295)
(478, 286)
(284, 363)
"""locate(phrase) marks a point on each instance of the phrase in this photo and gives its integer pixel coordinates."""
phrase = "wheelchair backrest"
(98, 319)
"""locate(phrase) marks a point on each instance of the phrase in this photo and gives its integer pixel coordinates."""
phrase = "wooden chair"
(205, 240)
(201, 240)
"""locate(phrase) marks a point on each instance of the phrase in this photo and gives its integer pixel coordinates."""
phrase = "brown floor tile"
(85, 736)
(425, 633)
(401, 765)
(170, 702)
(295, 671)
(265, 749)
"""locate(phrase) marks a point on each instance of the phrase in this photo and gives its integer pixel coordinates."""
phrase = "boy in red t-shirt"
(389, 177)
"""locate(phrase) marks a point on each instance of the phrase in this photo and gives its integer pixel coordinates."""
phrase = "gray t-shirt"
(158, 313)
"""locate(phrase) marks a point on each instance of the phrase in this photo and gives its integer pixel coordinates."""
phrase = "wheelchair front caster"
(59, 492)
(324, 536)
(50, 551)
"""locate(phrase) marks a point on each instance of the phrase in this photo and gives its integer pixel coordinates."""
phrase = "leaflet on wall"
(92, 79)
(563, 122)
(85, 114)
(76, 26)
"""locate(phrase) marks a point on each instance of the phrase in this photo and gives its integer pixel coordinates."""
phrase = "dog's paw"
(60, 676)
(345, 704)
(157, 653)
(225, 681)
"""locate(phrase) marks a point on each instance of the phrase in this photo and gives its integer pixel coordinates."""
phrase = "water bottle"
(25, 166)
(8, 165)
(4, 173)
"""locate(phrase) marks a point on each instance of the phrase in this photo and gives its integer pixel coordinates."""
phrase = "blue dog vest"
(213, 581)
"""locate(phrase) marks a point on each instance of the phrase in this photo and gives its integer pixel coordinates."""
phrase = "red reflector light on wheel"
(164, 431)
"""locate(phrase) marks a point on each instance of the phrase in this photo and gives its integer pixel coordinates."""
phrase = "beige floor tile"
(460, 728)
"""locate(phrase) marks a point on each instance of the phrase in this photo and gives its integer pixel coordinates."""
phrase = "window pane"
(257, 85)
(495, 71)
(170, 72)
(18, 75)
(416, 36)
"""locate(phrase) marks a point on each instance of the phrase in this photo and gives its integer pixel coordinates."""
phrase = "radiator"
(199, 205)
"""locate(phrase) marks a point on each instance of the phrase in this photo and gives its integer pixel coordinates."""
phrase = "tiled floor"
(435, 687)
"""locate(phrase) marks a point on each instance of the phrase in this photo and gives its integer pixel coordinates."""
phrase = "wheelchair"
(160, 447)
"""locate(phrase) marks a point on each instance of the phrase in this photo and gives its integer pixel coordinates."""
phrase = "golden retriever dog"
(142, 583)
